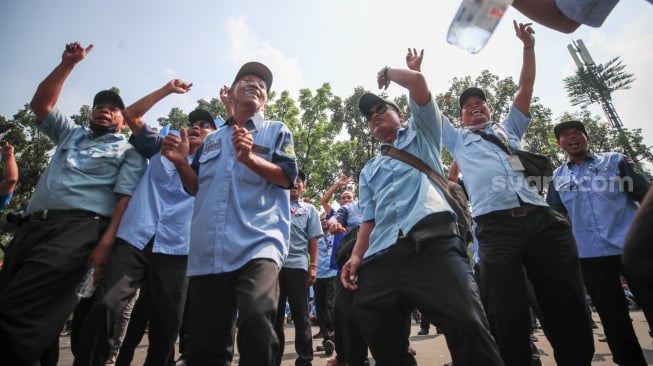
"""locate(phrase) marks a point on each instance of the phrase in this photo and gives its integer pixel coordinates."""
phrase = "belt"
(520, 211)
(58, 214)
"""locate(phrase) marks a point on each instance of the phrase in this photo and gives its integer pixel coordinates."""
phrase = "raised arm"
(414, 81)
(225, 97)
(527, 76)
(326, 199)
(134, 113)
(10, 174)
(48, 91)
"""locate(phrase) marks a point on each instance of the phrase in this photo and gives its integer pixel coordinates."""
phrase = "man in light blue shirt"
(599, 193)
(324, 288)
(72, 216)
(298, 273)
(391, 272)
(516, 229)
(240, 229)
(151, 250)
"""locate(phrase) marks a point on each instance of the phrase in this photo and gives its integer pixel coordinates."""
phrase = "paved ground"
(431, 349)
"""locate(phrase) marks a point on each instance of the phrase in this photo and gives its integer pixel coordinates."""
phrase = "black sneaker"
(423, 331)
(318, 335)
(412, 351)
(329, 347)
(319, 349)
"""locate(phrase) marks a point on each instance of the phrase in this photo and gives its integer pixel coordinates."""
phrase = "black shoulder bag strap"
(495, 140)
(464, 217)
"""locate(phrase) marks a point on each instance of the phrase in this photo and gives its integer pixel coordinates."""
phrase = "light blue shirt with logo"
(396, 195)
(160, 207)
(490, 180)
(239, 215)
(304, 225)
(85, 172)
(595, 196)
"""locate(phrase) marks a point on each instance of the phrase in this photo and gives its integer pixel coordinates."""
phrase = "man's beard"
(100, 130)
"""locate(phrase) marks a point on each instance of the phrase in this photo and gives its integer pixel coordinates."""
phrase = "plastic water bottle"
(87, 286)
(475, 22)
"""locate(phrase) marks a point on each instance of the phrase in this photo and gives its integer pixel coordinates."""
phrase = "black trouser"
(638, 255)
(435, 277)
(603, 284)
(542, 243)
(129, 269)
(135, 329)
(253, 291)
(292, 287)
(42, 268)
(324, 290)
(351, 346)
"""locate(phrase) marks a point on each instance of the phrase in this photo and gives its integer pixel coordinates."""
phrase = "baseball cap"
(471, 92)
(568, 124)
(257, 69)
(200, 114)
(108, 96)
(370, 99)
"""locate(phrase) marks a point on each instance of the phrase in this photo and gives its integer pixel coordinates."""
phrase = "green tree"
(587, 87)
(32, 150)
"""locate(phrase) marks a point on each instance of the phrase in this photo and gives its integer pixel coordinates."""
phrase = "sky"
(139, 45)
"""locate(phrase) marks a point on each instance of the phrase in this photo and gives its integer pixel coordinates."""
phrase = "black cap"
(471, 92)
(301, 174)
(370, 99)
(201, 115)
(568, 124)
(257, 69)
(108, 96)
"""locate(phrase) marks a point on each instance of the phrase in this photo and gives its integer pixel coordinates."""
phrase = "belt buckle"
(518, 211)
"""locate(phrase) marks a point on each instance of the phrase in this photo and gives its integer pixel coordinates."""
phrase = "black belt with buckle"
(58, 214)
(520, 211)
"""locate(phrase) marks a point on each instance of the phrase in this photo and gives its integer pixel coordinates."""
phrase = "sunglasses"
(202, 124)
(380, 109)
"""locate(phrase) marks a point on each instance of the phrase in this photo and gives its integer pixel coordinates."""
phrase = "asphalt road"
(431, 349)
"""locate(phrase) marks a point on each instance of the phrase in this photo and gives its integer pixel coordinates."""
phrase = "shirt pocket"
(208, 163)
(163, 170)
(97, 162)
(245, 174)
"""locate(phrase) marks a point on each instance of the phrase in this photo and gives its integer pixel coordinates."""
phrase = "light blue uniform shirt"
(396, 195)
(160, 207)
(590, 12)
(238, 215)
(85, 173)
(350, 215)
(599, 208)
(325, 248)
(490, 180)
(304, 225)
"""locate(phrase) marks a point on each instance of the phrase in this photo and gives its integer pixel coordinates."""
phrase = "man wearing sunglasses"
(151, 249)
(391, 272)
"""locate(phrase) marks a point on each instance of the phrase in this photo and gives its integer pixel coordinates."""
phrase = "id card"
(515, 163)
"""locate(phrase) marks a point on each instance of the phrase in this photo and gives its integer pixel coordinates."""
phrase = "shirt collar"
(258, 118)
(589, 156)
